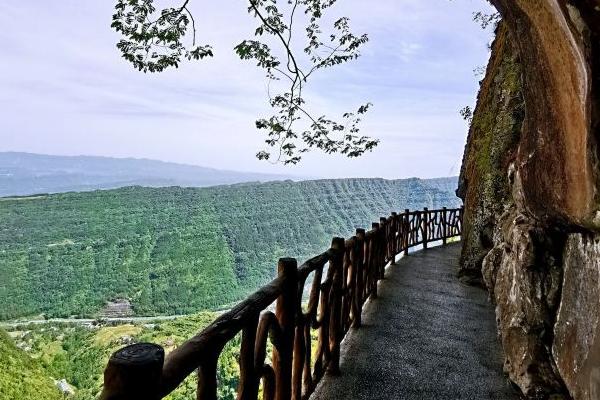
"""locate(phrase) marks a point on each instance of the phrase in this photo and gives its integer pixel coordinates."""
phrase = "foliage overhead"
(486, 20)
(153, 40)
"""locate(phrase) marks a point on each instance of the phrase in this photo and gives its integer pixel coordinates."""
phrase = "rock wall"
(491, 145)
(530, 179)
(576, 347)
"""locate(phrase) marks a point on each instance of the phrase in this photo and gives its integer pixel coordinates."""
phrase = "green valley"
(178, 250)
(77, 354)
(21, 377)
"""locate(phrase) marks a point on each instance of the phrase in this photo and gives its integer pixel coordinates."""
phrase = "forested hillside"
(178, 250)
(21, 377)
(78, 354)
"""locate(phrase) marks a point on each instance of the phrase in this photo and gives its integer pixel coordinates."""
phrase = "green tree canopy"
(154, 40)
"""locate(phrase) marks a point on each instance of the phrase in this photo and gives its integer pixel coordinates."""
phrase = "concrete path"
(427, 336)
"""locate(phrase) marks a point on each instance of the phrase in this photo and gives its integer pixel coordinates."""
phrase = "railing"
(354, 267)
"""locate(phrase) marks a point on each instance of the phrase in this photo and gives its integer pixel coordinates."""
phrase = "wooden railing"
(352, 269)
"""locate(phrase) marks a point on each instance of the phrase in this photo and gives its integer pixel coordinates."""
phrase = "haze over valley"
(27, 173)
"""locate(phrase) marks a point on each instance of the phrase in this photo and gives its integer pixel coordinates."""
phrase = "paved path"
(427, 336)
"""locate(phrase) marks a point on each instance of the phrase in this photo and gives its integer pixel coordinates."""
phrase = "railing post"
(461, 217)
(425, 220)
(249, 376)
(360, 286)
(406, 232)
(134, 372)
(383, 223)
(444, 226)
(374, 260)
(394, 235)
(207, 378)
(285, 310)
(335, 325)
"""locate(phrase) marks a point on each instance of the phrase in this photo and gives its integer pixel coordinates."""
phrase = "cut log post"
(307, 380)
(383, 251)
(335, 325)
(323, 351)
(444, 226)
(374, 260)
(406, 232)
(425, 222)
(249, 376)
(134, 373)
(367, 266)
(359, 266)
(285, 310)
(461, 216)
(207, 378)
(357, 258)
(299, 355)
(268, 383)
(394, 237)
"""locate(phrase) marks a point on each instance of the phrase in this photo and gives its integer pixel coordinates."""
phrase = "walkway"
(427, 336)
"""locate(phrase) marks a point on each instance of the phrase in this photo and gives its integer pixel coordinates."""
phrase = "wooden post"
(307, 379)
(444, 226)
(425, 226)
(406, 233)
(207, 378)
(461, 217)
(335, 324)
(383, 249)
(360, 284)
(249, 376)
(134, 372)
(285, 310)
(394, 236)
(374, 260)
(299, 354)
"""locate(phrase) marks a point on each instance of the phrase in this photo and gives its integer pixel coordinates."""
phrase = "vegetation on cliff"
(78, 354)
(492, 141)
(178, 250)
(21, 377)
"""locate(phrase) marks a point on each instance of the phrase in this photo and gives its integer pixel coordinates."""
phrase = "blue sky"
(65, 89)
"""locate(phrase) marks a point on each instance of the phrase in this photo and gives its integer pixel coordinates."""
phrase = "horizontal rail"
(343, 278)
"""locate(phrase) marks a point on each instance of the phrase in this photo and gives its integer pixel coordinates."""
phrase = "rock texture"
(530, 180)
(495, 131)
(577, 330)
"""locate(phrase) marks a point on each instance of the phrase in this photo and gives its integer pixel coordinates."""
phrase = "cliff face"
(530, 180)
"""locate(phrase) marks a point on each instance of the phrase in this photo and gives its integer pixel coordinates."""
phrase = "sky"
(65, 89)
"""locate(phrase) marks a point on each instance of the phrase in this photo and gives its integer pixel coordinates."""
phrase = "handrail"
(354, 267)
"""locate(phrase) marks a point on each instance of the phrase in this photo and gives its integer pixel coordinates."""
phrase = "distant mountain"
(26, 173)
(444, 184)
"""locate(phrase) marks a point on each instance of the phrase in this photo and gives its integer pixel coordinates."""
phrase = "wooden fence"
(352, 269)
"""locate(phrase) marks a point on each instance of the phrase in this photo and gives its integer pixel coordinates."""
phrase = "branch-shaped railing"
(352, 269)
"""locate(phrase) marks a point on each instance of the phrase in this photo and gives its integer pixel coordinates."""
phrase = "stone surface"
(546, 190)
(427, 336)
(491, 145)
(524, 291)
(557, 179)
(576, 346)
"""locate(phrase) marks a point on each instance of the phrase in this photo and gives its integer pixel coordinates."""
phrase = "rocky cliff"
(529, 180)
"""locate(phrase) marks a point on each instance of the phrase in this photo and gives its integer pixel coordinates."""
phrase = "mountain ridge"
(23, 173)
(179, 250)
